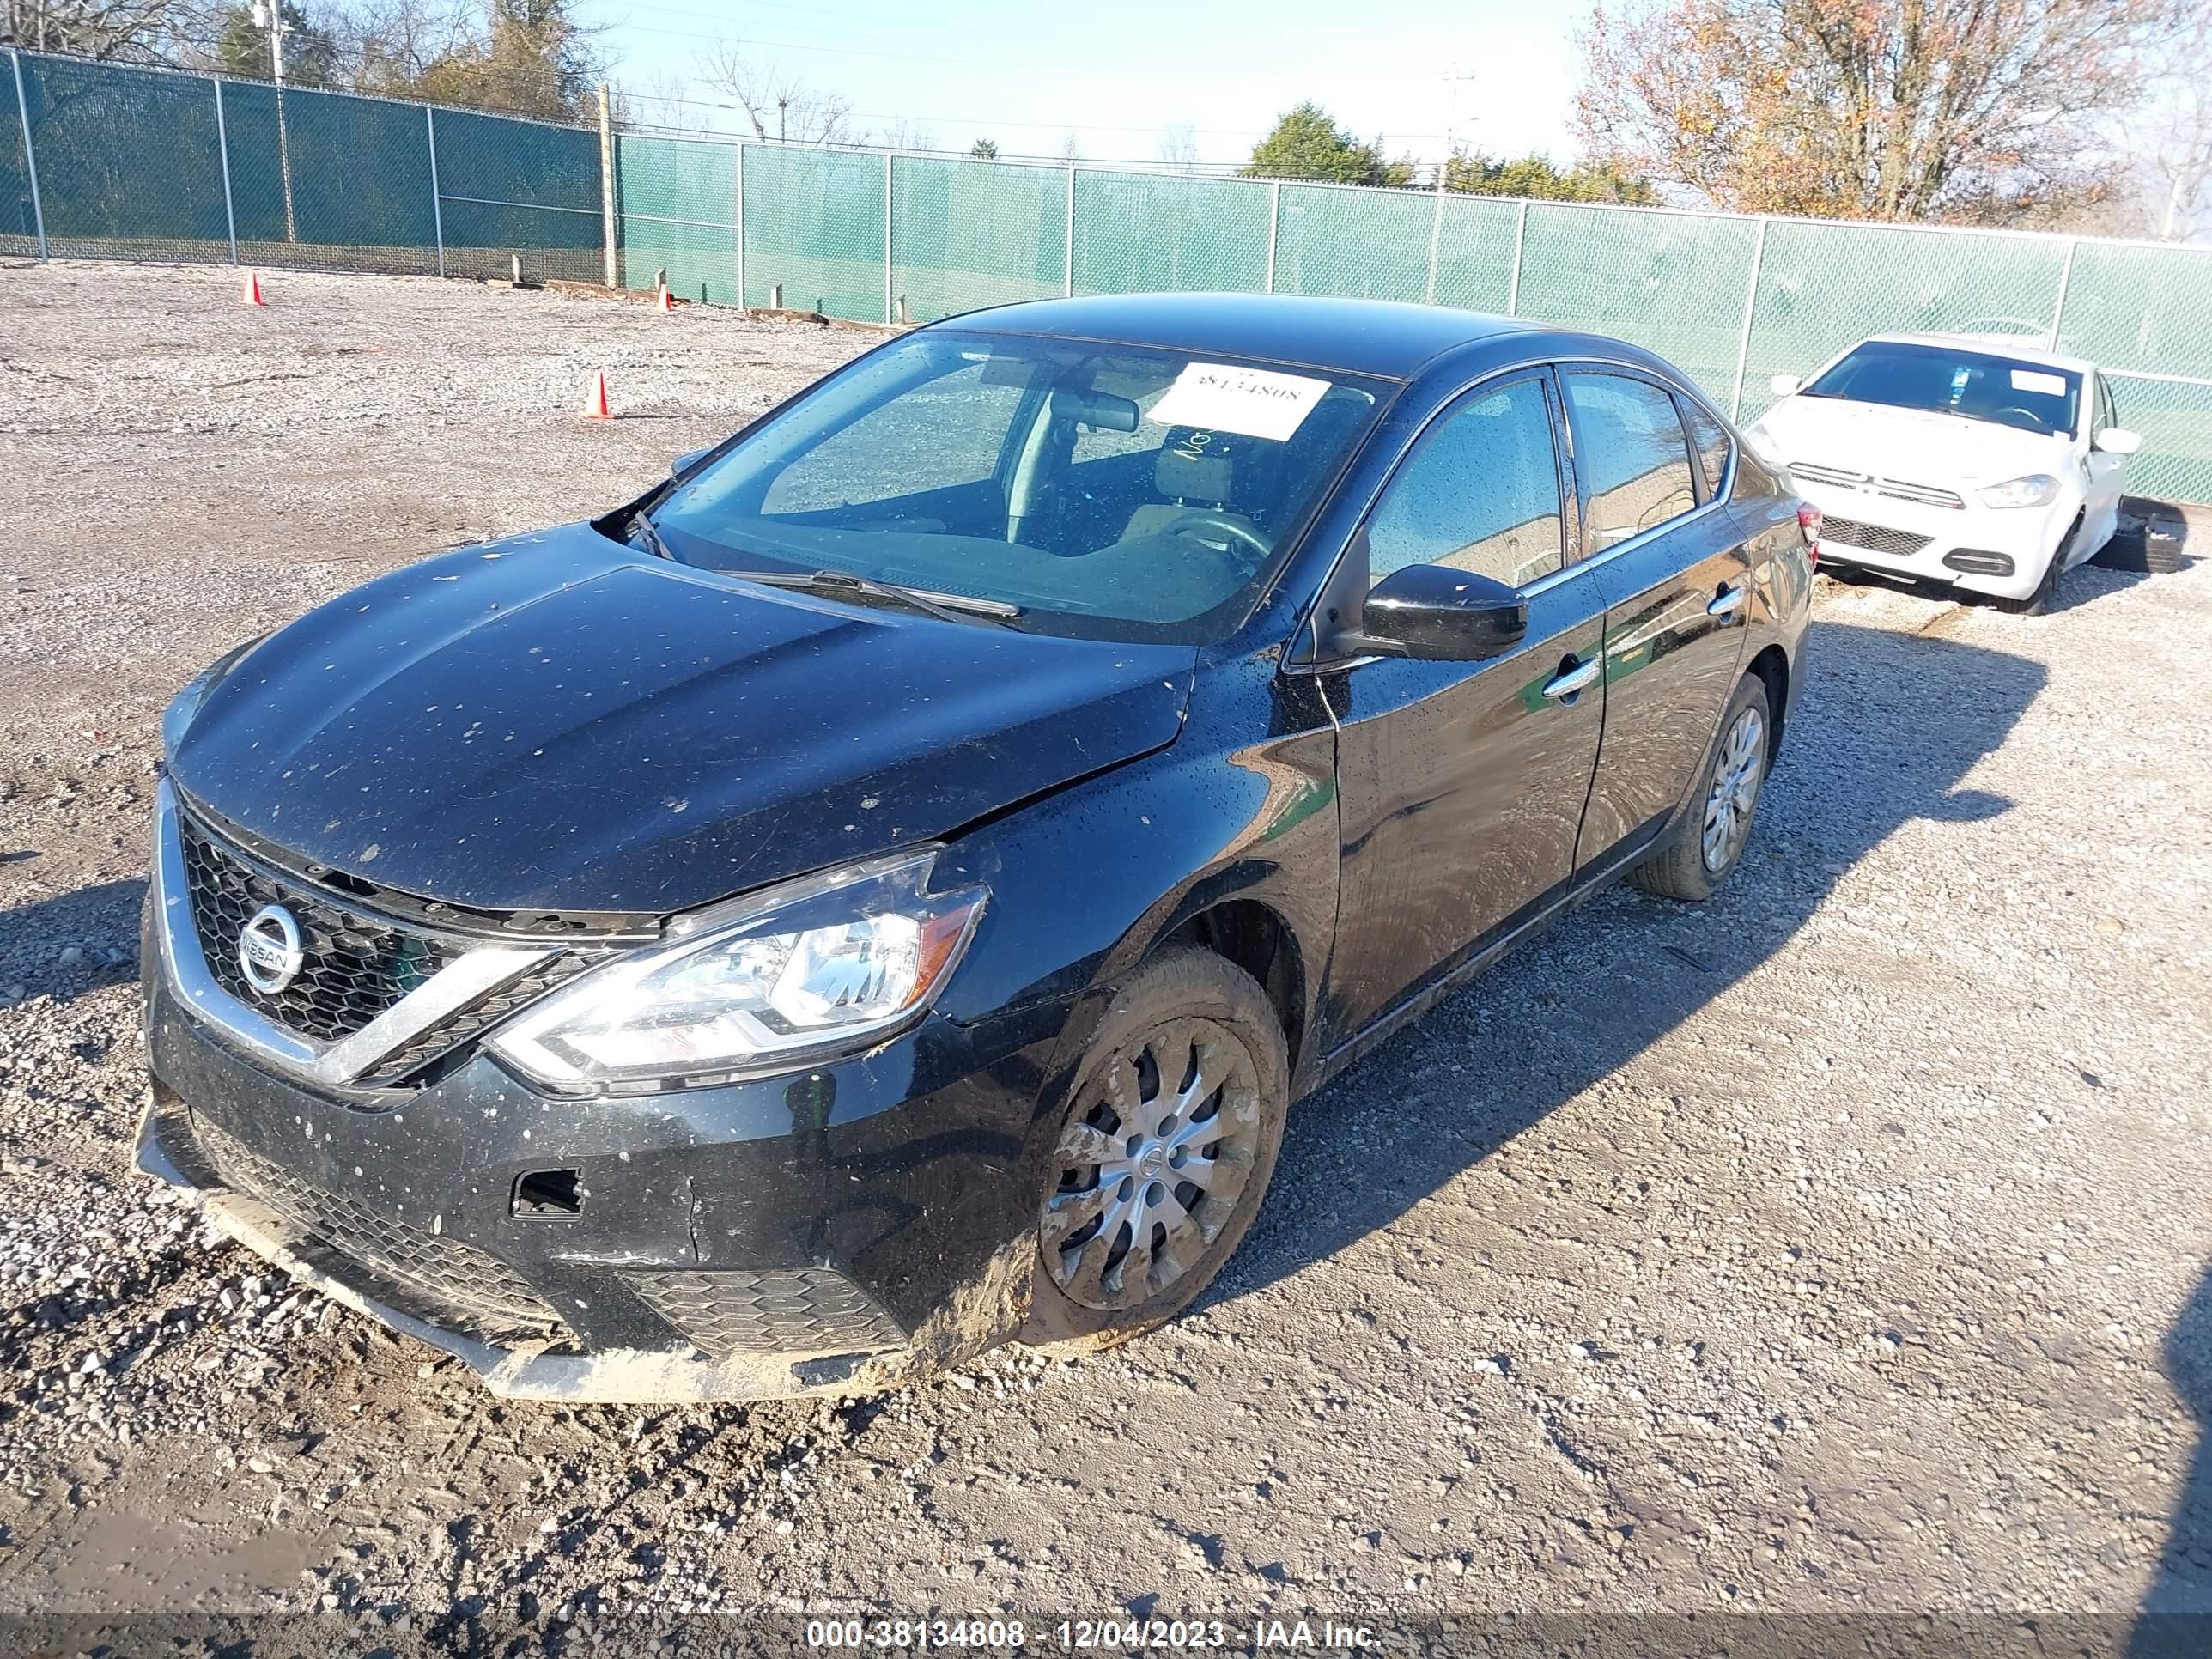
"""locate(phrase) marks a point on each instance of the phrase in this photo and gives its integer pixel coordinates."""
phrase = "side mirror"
(1433, 613)
(2117, 440)
(684, 463)
(1785, 386)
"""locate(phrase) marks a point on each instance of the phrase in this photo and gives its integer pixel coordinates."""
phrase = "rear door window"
(1709, 439)
(1481, 493)
(1632, 452)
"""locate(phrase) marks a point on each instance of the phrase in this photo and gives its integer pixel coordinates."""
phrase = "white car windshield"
(1107, 491)
(1950, 380)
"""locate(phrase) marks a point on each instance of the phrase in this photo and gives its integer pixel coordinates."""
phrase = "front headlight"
(2037, 490)
(812, 970)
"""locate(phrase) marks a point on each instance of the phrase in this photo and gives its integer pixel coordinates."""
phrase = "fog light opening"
(549, 1193)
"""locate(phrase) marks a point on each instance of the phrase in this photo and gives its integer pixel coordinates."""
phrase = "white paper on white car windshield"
(2032, 379)
(1253, 403)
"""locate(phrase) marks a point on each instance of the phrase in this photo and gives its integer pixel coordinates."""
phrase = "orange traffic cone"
(251, 295)
(595, 405)
(666, 303)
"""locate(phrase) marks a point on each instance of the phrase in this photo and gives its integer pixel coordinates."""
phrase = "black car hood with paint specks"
(558, 722)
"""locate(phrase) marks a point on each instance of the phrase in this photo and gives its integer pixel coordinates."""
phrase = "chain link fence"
(111, 163)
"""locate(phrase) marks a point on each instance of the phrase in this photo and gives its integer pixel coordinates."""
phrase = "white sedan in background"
(1955, 459)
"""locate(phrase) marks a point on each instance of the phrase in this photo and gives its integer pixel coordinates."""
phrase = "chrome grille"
(1875, 538)
(355, 965)
(1899, 489)
(460, 1287)
(1926, 494)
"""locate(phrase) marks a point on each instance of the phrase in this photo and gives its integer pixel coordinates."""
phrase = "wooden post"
(608, 220)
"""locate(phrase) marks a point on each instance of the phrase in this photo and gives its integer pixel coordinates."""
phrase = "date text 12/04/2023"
(1078, 1635)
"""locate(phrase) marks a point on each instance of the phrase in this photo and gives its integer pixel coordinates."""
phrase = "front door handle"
(1572, 677)
(1727, 602)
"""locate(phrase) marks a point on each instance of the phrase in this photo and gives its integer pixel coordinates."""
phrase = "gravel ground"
(1837, 1246)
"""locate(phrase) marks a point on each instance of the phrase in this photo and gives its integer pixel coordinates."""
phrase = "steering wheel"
(2028, 417)
(1226, 524)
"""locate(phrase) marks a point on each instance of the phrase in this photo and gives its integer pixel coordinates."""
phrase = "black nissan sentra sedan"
(879, 894)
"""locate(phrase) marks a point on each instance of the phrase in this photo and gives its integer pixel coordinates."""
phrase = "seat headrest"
(1194, 466)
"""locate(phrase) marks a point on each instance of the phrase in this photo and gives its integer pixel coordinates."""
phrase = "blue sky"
(1497, 74)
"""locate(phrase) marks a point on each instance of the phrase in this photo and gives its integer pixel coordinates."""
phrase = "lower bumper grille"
(1874, 538)
(780, 1311)
(454, 1284)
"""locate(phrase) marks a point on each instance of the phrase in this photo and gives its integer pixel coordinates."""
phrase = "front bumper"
(1996, 551)
(828, 1232)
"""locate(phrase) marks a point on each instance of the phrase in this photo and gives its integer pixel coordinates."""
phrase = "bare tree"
(128, 31)
(907, 133)
(1068, 153)
(1971, 110)
(777, 102)
(1179, 149)
(2177, 149)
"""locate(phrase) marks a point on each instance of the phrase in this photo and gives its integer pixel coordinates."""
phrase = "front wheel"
(1163, 1150)
(1705, 844)
(2046, 590)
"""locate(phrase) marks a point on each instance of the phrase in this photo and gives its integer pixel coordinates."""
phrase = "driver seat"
(1193, 470)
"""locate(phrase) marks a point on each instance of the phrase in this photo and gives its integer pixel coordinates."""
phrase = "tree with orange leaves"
(1968, 111)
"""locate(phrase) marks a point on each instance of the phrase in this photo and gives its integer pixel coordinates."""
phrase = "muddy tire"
(1162, 1152)
(1704, 845)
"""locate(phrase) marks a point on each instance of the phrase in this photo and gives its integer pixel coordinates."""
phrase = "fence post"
(2065, 281)
(437, 207)
(739, 214)
(1067, 248)
(223, 153)
(1750, 309)
(612, 265)
(1513, 280)
(1274, 226)
(890, 308)
(30, 161)
(1436, 237)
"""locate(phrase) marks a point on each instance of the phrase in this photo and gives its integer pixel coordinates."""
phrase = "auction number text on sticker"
(1253, 403)
(2032, 379)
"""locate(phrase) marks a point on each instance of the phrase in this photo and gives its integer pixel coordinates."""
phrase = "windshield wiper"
(642, 525)
(945, 607)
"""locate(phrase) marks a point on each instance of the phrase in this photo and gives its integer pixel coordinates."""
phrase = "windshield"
(1946, 380)
(1113, 492)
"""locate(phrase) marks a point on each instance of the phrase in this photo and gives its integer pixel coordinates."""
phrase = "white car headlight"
(817, 968)
(2037, 490)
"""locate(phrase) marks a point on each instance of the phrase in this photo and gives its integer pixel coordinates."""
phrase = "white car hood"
(1945, 451)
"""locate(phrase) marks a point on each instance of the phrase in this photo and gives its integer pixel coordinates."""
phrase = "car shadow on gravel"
(1884, 733)
(2176, 1616)
(73, 943)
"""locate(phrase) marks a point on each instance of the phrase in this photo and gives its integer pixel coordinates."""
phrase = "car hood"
(557, 722)
(1943, 451)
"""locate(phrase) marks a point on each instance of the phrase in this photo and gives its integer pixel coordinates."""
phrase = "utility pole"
(270, 14)
(1452, 78)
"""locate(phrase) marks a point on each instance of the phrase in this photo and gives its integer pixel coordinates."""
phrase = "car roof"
(1356, 336)
(1995, 345)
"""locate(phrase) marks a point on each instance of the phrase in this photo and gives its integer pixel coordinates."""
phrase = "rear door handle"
(1568, 681)
(1727, 602)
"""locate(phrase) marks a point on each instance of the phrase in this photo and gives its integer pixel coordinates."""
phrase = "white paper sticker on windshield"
(1253, 403)
(2032, 379)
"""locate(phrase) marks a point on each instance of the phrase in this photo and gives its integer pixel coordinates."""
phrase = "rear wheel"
(1704, 846)
(1164, 1151)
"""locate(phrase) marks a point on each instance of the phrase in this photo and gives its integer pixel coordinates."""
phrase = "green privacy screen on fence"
(134, 164)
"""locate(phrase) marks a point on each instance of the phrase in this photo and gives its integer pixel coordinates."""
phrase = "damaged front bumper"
(835, 1232)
